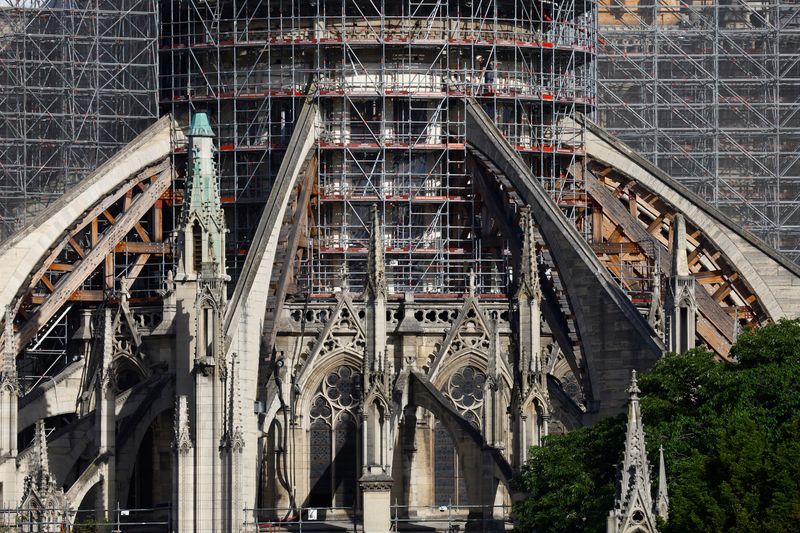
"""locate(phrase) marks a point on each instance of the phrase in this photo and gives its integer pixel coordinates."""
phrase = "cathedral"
(429, 270)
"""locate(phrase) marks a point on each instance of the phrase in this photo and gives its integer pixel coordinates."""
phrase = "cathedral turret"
(209, 452)
(202, 225)
(634, 510)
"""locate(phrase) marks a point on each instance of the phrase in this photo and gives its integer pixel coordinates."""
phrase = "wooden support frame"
(715, 324)
(94, 241)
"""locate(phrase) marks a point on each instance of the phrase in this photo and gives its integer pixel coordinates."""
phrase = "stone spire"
(662, 497)
(635, 468)
(376, 268)
(202, 218)
(681, 306)
(633, 508)
(40, 463)
(528, 285)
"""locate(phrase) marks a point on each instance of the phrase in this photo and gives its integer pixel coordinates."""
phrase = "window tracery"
(465, 390)
(333, 439)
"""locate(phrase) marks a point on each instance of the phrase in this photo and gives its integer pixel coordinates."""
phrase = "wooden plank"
(709, 276)
(77, 247)
(156, 248)
(615, 247)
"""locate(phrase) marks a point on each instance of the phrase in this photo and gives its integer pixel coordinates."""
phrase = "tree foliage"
(731, 437)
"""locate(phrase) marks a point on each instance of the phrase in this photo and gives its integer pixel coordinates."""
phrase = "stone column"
(376, 490)
(105, 406)
(9, 399)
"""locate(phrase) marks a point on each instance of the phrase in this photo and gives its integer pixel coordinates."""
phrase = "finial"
(201, 126)
(633, 389)
(662, 496)
(472, 287)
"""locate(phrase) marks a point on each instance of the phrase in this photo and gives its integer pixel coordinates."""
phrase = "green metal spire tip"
(200, 127)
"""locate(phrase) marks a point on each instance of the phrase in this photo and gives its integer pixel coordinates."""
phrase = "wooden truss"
(630, 222)
(116, 238)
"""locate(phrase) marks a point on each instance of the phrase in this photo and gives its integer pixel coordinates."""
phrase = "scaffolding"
(709, 90)
(78, 82)
(392, 79)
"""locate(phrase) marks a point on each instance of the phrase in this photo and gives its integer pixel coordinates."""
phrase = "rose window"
(465, 390)
(341, 387)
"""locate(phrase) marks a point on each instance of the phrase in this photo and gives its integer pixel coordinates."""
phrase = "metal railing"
(451, 518)
(283, 519)
(68, 520)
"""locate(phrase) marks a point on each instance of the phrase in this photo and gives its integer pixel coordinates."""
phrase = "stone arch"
(309, 383)
(331, 424)
(481, 482)
(127, 371)
(160, 399)
(91, 477)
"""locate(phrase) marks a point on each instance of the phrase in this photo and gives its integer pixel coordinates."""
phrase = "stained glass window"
(320, 464)
(333, 452)
(449, 487)
(346, 463)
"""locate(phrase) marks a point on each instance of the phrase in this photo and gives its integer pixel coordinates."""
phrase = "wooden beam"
(656, 224)
(287, 269)
(137, 267)
(711, 336)
(615, 247)
(77, 247)
(141, 232)
(158, 221)
(78, 296)
(71, 282)
(156, 248)
(47, 283)
(636, 232)
(95, 232)
(709, 276)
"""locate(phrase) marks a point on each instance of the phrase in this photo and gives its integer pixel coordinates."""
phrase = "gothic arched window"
(333, 440)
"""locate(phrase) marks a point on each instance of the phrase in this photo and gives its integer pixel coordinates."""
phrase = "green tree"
(731, 437)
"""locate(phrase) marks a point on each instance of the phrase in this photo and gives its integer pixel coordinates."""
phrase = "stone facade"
(367, 403)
